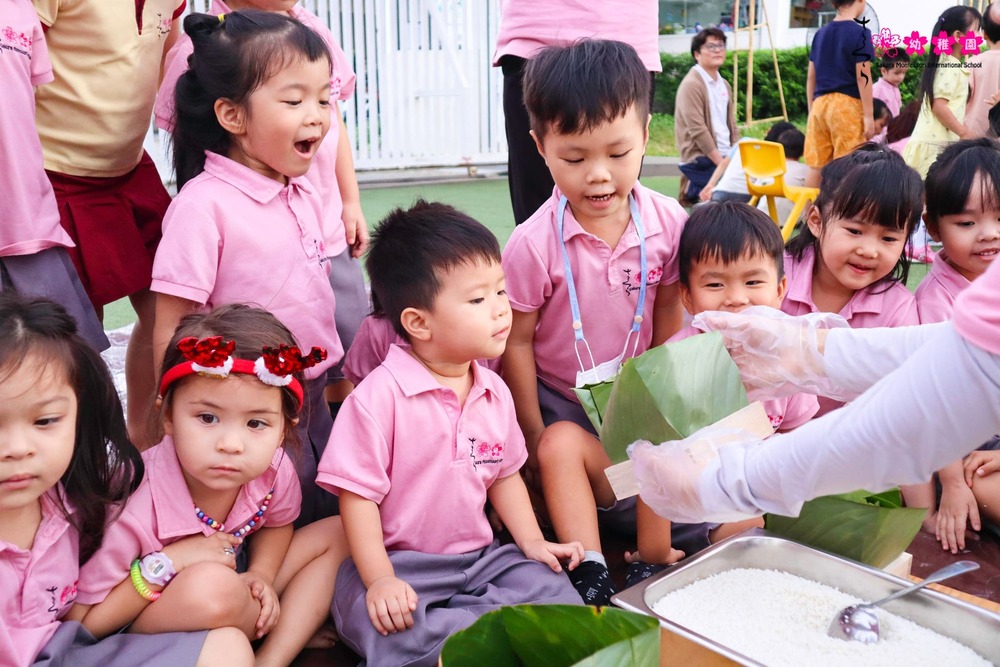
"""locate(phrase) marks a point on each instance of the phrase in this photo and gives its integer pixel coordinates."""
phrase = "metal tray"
(973, 626)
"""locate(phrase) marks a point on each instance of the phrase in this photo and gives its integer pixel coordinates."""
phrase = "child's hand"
(355, 229)
(553, 553)
(957, 509)
(869, 127)
(217, 548)
(981, 464)
(706, 193)
(262, 592)
(391, 602)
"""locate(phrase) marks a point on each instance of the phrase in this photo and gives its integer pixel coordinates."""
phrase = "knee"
(561, 443)
(219, 591)
(225, 646)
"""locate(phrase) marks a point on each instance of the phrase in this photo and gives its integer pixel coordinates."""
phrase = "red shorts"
(115, 223)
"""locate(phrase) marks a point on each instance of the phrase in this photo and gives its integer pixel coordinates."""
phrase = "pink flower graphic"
(943, 43)
(8, 34)
(24, 40)
(971, 43)
(654, 275)
(915, 43)
(483, 450)
(496, 450)
(886, 41)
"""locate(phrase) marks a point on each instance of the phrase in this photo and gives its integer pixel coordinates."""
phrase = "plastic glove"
(676, 479)
(777, 354)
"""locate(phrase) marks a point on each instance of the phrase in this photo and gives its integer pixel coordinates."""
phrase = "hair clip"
(222, 18)
(208, 356)
(276, 366)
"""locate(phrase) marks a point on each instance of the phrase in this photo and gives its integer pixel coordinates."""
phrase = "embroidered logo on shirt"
(163, 25)
(484, 453)
(633, 279)
(12, 40)
(64, 599)
(776, 420)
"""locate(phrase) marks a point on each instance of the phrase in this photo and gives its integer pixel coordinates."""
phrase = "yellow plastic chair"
(764, 164)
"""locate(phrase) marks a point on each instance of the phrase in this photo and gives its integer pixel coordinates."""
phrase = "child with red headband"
(206, 541)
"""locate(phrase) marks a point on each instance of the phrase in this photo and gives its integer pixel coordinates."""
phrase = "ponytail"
(955, 18)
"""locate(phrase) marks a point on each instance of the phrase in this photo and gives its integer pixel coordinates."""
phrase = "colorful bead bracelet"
(140, 584)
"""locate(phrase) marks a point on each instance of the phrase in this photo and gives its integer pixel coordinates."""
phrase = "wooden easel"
(750, 29)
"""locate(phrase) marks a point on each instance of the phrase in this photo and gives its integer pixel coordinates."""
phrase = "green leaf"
(861, 526)
(594, 399)
(555, 636)
(670, 392)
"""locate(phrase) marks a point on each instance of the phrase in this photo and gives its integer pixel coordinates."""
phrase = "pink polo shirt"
(37, 585)
(29, 218)
(233, 235)
(977, 311)
(938, 290)
(371, 344)
(528, 25)
(161, 512)
(785, 413)
(322, 173)
(869, 308)
(607, 282)
(403, 441)
(888, 93)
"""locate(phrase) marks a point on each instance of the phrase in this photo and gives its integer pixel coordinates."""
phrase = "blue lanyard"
(574, 303)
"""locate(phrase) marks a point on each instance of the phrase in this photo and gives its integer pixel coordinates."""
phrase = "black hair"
(837, 4)
(894, 58)
(233, 56)
(951, 178)
(777, 129)
(252, 329)
(410, 249)
(954, 18)
(576, 88)
(726, 232)
(991, 29)
(854, 187)
(994, 118)
(105, 467)
(902, 125)
(880, 110)
(699, 40)
(794, 142)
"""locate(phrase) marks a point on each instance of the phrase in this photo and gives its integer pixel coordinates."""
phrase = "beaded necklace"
(248, 528)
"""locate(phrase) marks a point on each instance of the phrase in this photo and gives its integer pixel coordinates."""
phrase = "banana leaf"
(555, 636)
(670, 392)
(870, 528)
(594, 399)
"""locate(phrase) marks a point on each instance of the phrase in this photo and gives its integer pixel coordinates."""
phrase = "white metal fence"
(426, 94)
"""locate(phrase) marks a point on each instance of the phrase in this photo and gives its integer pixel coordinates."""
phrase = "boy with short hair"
(893, 68)
(423, 442)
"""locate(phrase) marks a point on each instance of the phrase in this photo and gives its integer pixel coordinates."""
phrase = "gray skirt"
(50, 274)
(73, 646)
(348, 283)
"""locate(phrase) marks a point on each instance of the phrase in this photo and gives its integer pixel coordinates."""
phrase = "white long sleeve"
(939, 405)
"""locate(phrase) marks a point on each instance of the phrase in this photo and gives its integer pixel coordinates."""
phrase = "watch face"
(157, 567)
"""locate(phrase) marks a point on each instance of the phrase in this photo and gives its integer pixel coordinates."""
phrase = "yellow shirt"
(92, 119)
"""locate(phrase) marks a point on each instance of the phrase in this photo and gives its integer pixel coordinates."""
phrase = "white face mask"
(600, 373)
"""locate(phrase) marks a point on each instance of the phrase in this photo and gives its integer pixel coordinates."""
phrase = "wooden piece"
(751, 418)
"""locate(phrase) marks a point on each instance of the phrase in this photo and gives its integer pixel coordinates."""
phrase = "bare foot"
(325, 637)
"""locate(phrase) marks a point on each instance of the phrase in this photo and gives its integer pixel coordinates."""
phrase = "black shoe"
(593, 582)
(639, 572)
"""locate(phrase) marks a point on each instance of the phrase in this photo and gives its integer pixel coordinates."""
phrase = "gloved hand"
(777, 354)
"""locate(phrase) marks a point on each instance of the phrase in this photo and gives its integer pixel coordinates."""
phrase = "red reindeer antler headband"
(212, 357)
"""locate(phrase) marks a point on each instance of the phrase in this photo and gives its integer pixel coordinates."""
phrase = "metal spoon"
(859, 622)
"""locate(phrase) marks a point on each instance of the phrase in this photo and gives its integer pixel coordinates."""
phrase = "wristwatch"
(157, 568)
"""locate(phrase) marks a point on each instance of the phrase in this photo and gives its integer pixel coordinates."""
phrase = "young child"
(839, 89)
(849, 258)
(92, 120)
(892, 70)
(345, 232)
(729, 181)
(963, 214)
(33, 246)
(944, 90)
(65, 460)
(241, 146)
(592, 276)
(208, 534)
(421, 445)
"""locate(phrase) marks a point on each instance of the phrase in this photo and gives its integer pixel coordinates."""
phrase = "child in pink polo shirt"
(421, 445)
(245, 227)
(963, 214)
(33, 246)
(592, 275)
(206, 541)
(849, 256)
(65, 459)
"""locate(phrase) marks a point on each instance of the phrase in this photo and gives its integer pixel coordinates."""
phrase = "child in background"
(213, 516)
(92, 120)
(839, 89)
(944, 90)
(849, 257)
(241, 146)
(602, 252)
(963, 214)
(421, 445)
(33, 255)
(893, 68)
(343, 225)
(729, 181)
(65, 460)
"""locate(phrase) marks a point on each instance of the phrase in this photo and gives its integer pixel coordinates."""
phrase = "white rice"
(778, 618)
